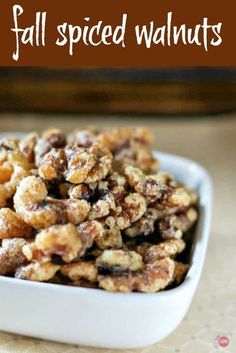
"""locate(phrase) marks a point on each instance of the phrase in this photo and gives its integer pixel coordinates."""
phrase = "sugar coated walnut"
(130, 146)
(49, 139)
(180, 271)
(119, 261)
(12, 226)
(39, 272)
(76, 164)
(62, 240)
(80, 270)
(32, 203)
(167, 248)
(145, 225)
(14, 168)
(152, 278)
(11, 255)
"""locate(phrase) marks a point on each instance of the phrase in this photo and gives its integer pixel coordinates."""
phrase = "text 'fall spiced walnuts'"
(92, 210)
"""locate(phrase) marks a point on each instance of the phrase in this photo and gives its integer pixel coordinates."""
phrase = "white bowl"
(95, 317)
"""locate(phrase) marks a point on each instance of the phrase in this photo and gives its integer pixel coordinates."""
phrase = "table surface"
(212, 142)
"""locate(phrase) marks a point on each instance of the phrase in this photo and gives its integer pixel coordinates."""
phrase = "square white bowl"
(94, 317)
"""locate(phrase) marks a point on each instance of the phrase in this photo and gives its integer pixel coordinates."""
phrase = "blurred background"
(188, 91)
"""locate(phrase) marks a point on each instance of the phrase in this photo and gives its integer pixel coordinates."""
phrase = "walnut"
(150, 187)
(122, 284)
(111, 237)
(145, 225)
(76, 164)
(169, 228)
(49, 139)
(175, 225)
(102, 207)
(152, 278)
(40, 272)
(53, 164)
(118, 261)
(130, 147)
(12, 226)
(179, 197)
(80, 270)
(186, 219)
(180, 272)
(88, 233)
(62, 240)
(40, 211)
(167, 248)
(11, 255)
(6, 171)
(15, 168)
(82, 138)
(155, 276)
(81, 192)
(133, 208)
(27, 146)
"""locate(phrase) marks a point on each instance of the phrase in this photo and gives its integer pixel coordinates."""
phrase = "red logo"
(223, 341)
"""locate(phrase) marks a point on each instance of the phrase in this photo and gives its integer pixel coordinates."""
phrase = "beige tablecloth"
(211, 142)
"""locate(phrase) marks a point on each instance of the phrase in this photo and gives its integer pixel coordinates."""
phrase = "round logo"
(223, 341)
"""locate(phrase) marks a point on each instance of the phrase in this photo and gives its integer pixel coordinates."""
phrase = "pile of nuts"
(91, 209)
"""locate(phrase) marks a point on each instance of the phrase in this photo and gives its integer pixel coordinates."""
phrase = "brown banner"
(127, 33)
